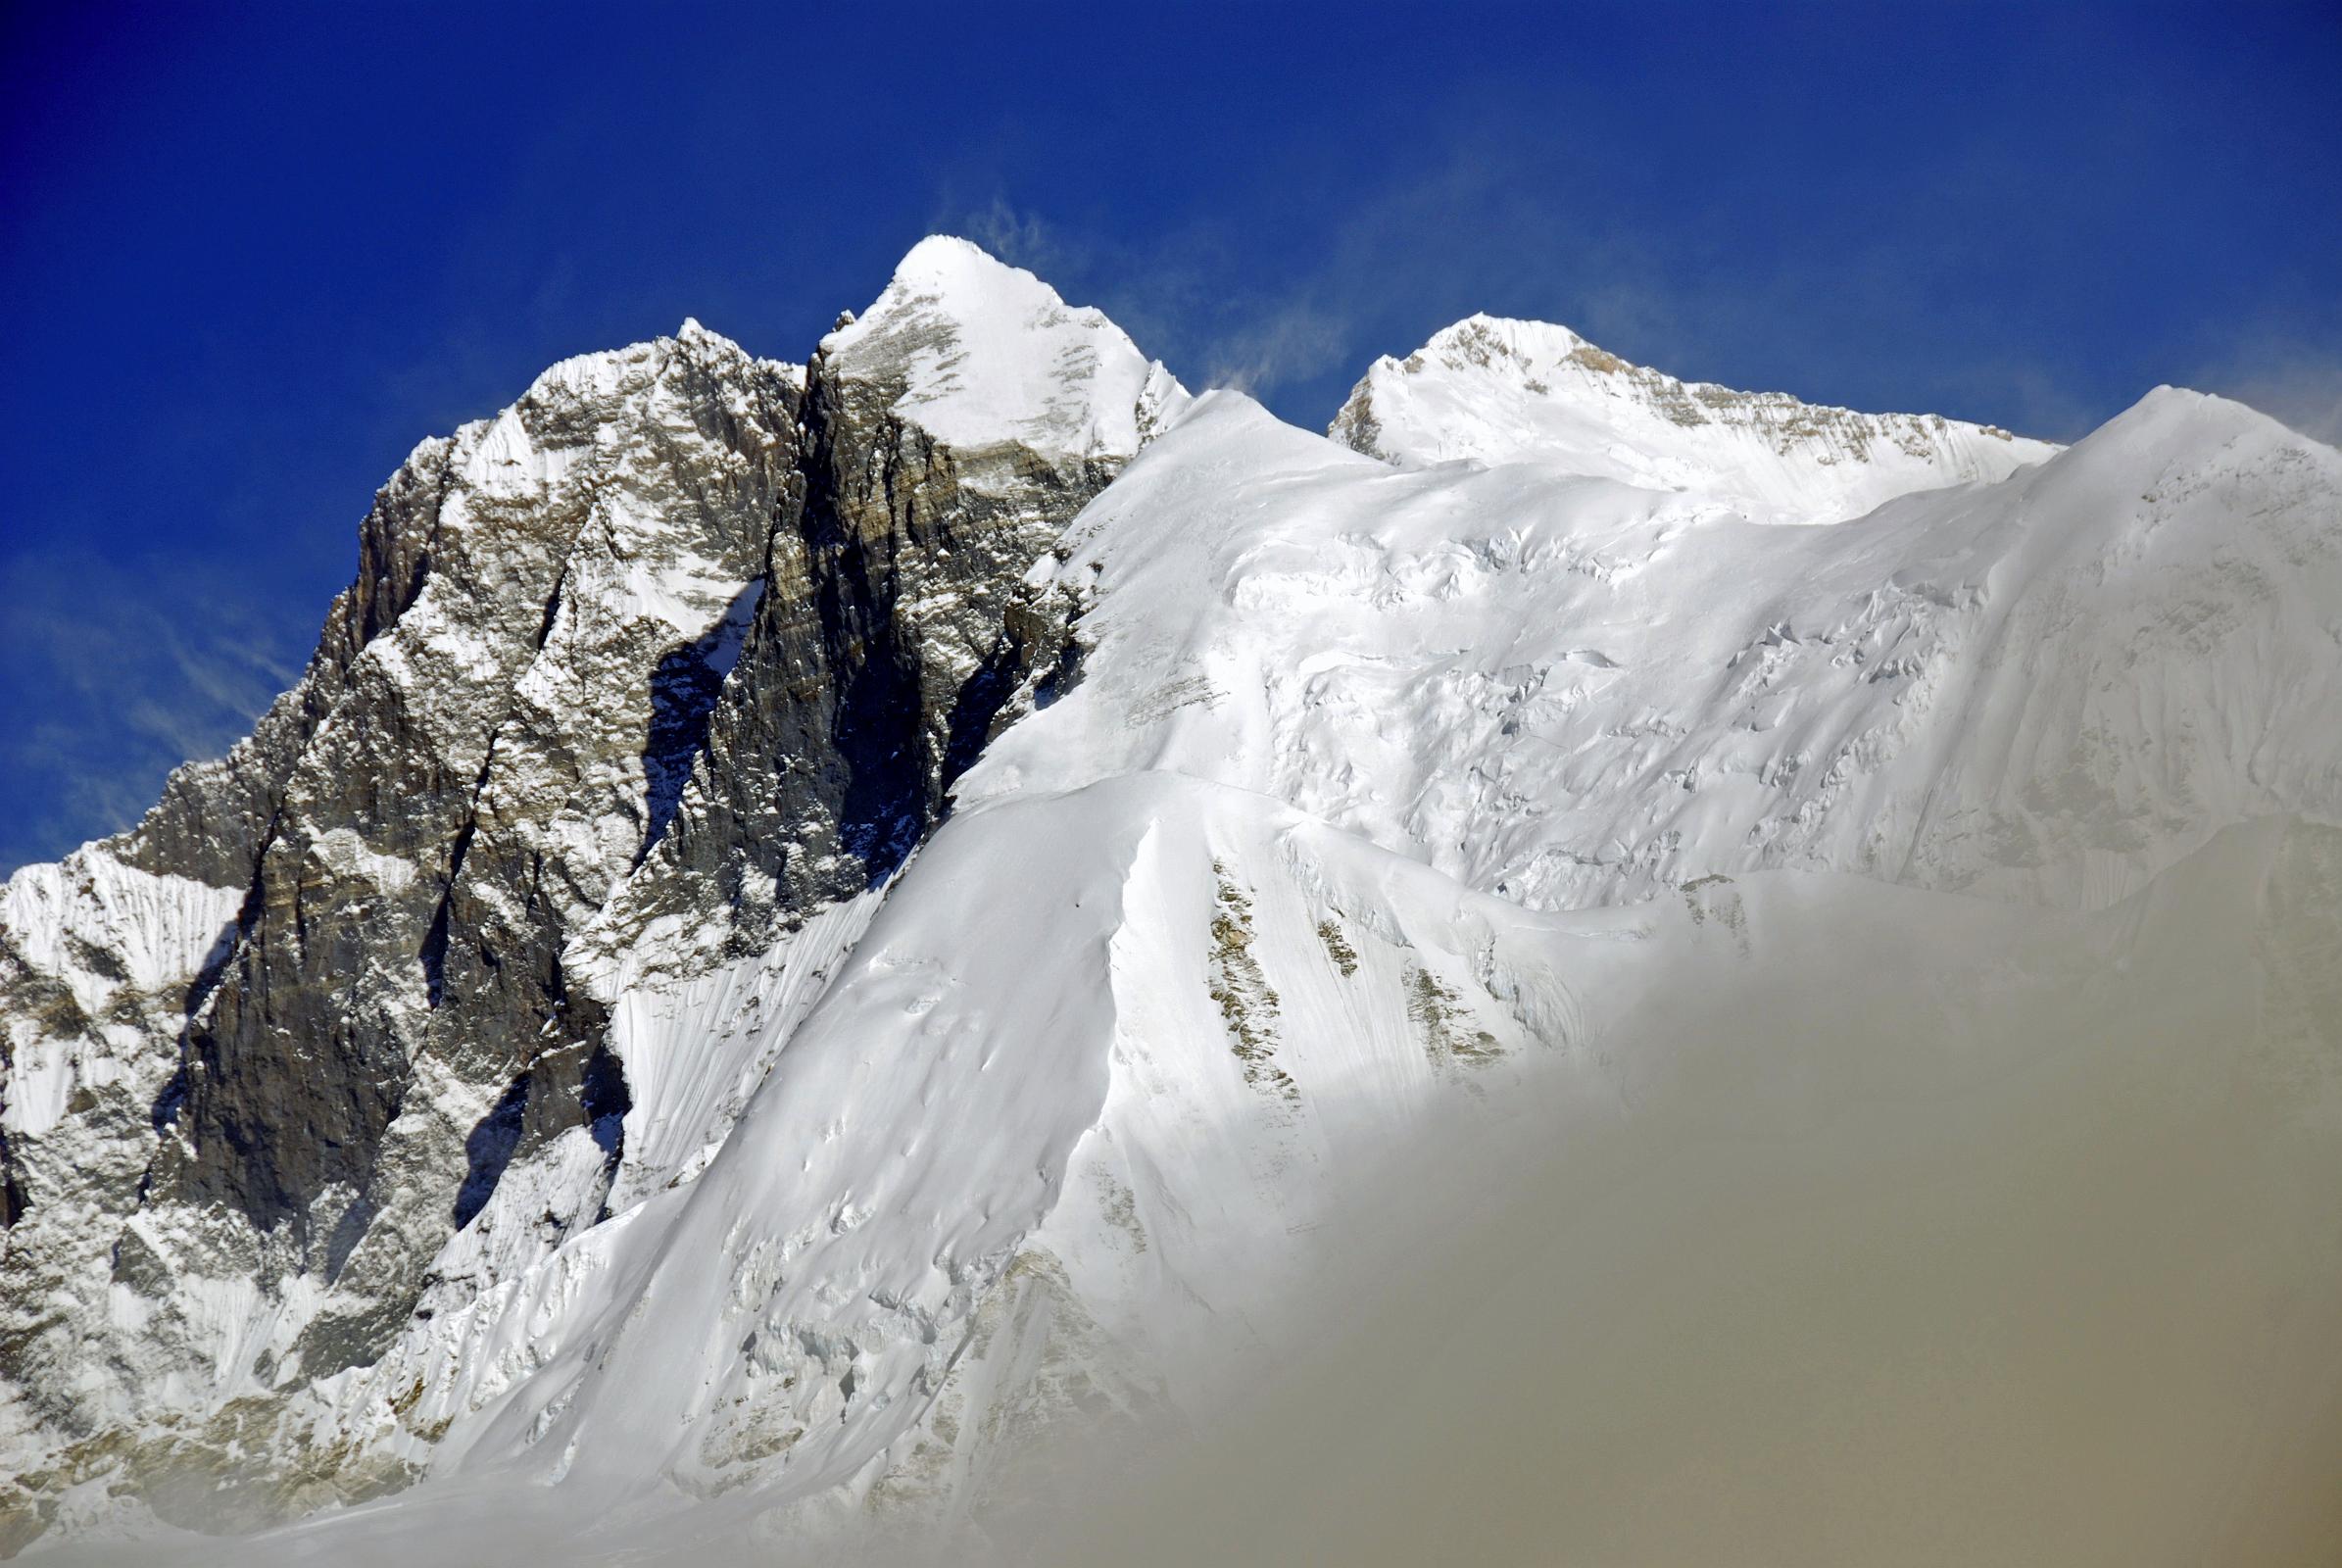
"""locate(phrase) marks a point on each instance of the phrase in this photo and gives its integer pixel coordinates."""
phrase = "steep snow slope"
(1501, 391)
(82, 1032)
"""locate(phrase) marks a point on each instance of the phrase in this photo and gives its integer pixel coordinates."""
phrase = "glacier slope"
(1572, 691)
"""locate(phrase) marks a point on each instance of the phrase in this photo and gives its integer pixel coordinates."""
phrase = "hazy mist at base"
(1951, 1232)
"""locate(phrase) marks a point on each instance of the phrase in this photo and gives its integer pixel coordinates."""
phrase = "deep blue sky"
(250, 255)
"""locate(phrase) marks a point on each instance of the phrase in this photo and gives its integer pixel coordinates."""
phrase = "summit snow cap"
(1504, 391)
(987, 353)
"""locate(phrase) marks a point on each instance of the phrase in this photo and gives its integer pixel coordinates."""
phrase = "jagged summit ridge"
(1498, 390)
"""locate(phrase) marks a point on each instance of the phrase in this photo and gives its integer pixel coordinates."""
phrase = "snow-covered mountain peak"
(1498, 390)
(2171, 409)
(987, 353)
(2175, 441)
(808, 926)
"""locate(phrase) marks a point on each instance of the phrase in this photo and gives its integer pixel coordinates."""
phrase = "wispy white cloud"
(1291, 341)
(117, 674)
(1022, 238)
(2300, 390)
(1477, 225)
(1478, 220)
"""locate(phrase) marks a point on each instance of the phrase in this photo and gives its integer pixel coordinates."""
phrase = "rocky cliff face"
(683, 637)
(949, 436)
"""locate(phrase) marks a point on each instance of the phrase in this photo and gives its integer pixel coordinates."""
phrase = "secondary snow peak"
(2169, 409)
(1497, 390)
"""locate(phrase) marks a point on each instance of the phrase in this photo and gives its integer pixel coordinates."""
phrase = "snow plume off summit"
(1591, 967)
